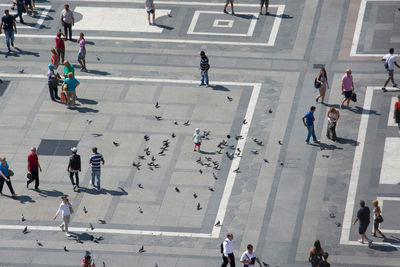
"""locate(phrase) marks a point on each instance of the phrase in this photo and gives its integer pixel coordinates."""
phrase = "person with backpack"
(315, 255)
(74, 167)
(227, 251)
(390, 61)
(325, 262)
(249, 257)
(322, 81)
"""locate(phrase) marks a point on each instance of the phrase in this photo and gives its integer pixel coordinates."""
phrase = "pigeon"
(140, 186)
(65, 249)
(158, 118)
(228, 136)
(280, 142)
(169, 15)
(146, 149)
(219, 151)
(332, 215)
(97, 134)
(157, 105)
(141, 250)
(238, 149)
(137, 165)
(141, 157)
(38, 243)
(177, 189)
(270, 111)
(218, 223)
(85, 210)
(88, 121)
(187, 123)
(146, 138)
(198, 206)
(200, 171)
(148, 153)
(97, 57)
(102, 221)
(281, 163)
(255, 139)
(151, 168)
(21, 71)
(173, 135)
(175, 122)
(22, 218)
(265, 264)
(236, 170)
(229, 98)
(194, 195)
(255, 152)
(99, 238)
(25, 230)
(325, 156)
(232, 147)
(265, 160)
(153, 158)
(244, 121)
(211, 189)
(260, 143)
(91, 226)
(338, 224)
(208, 158)
(215, 176)
(237, 137)
(140, 209)
(115, 143)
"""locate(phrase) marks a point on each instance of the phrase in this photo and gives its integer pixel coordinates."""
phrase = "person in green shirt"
(68, 68)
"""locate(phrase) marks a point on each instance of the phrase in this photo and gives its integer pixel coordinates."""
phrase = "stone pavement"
(263, 63)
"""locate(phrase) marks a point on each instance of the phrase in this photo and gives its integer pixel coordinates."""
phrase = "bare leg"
(322, 93)
(154, 17)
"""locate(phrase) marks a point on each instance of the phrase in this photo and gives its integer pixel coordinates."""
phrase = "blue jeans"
(96, 173)
(9, 36)
(310, 132)
(204, 74)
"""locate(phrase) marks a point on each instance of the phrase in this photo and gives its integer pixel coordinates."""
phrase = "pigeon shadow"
(96, 134)
(207, 153)
(218, 87)
(86, 101)
(48, 193)
(98, 72)
(164, 27)
(348, 141)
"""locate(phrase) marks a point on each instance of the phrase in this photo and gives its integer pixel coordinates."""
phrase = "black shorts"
(151, 11)
(362, 229)
(28, 2)
(347, 94)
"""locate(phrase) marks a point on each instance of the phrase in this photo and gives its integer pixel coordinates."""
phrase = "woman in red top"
(55, 58)
(396, 113)
(60, 46)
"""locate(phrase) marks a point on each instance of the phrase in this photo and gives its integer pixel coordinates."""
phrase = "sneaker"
(207, 86)
(91, 182)
(202, 84)
(150, 23)
(395, 85)
(361, 241)
(316, 99)
(307, 142)
(226, 12)
(9, 50)
(12, 44)
(369, 242)
(68, 235)
(384, 89)
(233, 13)
(27, 185)
(317, 141)
(62, 228)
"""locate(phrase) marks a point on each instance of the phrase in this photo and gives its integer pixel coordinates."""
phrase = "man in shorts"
(29, 4)
(266, 4)
(82, 52)
(390, 61)
(226, 5)
(347, 87)
(363, 219)
(150, 9)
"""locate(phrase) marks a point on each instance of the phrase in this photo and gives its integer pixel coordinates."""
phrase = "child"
(196, 139)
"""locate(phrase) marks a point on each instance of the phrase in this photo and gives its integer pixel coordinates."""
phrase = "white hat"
(197, 130)
(74, 149)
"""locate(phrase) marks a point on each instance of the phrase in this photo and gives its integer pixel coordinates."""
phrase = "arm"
(15, 26)
(338, 115)
(102, 161)
(378, 211)
(355, 221)
(304, 121)
(1, 26)
(2, 174)
(397, 65)
(352, 85)
(342, 88)
(258, 261)
(58, 211)
(40, 168)
(225, 247)
(73, 19)
(62, 21)
(69, 164)
(327, 84)
(79, 163)
(329, 113)
(310, 254)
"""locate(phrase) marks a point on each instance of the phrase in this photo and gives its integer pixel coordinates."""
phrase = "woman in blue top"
(196, 139)
(5, 176)
(70, 85)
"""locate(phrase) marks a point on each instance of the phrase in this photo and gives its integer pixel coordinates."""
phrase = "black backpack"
(316, 258)
(222, 248)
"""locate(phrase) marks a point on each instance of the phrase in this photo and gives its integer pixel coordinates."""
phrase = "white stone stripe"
(39, 23)
(391, 121)
(43, 16)
(381, 244)
(174, 3)
(275, 27)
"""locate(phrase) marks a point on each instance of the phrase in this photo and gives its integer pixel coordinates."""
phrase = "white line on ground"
(43, 16)
(381, 244)
(391, 121)
(275, 27)
(39, 23)
(381, 200)
(175, 3)
(231, 176)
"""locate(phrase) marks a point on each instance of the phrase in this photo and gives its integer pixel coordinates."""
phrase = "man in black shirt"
(9, 27)
(363, 218)
(74, 167)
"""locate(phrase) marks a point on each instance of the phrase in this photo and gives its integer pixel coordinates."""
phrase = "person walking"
(29, 4)
(67, 21)
(390, 61)
(347, 87)
(226, 5)
(396, 113)
(20, 10)
(69, 85)
(204, 67)
(74, 167)
(9, 27)
(196, 139)
(60, 45)
(151, 11)
(363, 218)
(52, 81)
(227, 251)
(82, 51)
(378, 219)
(33, 168)
(87, 261)
(325, 262)
(66, 210)
(322, 80)
(94, 161)
(266, 4)
(249, 257)
(5, 176)
(333, 117)
(316, 253)
(308, 121)
(68, 68)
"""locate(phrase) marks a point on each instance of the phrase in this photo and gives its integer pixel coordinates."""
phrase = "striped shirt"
(95, 160)
(203, 63)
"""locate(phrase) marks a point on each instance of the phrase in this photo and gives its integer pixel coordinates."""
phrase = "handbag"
(354, 97)
(63, 97)
(379, 219)
(29, 176)
(316, 83)
(10, 172)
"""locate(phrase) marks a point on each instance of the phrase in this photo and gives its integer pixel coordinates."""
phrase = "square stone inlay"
(223, 23)
(55, 147)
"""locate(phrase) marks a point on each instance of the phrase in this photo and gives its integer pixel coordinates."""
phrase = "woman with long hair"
(322, 80)
(316, 254)
(378, 219)
(333, 117)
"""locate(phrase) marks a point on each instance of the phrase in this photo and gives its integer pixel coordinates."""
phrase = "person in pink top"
(347, 87)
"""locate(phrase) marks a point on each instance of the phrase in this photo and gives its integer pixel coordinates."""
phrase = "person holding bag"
(322, 81)
(378, 219)
(66, 209)
(5, 174)
(333, 116)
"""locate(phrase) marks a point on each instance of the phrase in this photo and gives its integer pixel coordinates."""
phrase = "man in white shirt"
(227, 253)
(67, 21)
(390, 61)
(249, 258)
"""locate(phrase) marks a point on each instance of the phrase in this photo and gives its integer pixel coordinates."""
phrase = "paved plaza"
(279, 195)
